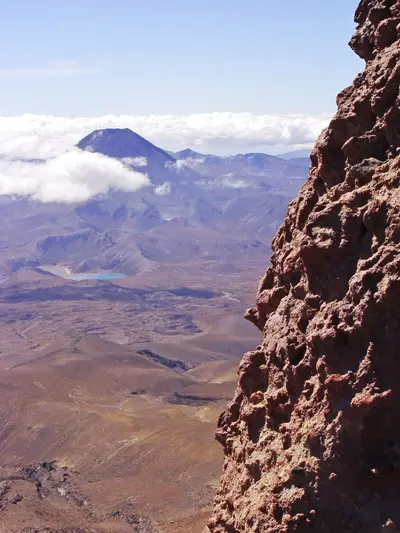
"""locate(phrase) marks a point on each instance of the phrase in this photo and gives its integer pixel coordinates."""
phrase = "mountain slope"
(122, 143)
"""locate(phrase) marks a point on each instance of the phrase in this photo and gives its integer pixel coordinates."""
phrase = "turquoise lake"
(93, 275)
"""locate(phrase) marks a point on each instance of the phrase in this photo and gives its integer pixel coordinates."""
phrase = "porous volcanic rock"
(312, 437)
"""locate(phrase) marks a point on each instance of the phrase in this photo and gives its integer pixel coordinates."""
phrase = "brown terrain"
(108, 424)
(312, 437)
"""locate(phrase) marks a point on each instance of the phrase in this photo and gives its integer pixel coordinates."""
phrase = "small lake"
(82, 276)
(65, 272)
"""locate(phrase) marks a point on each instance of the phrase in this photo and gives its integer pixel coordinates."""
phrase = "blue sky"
(98, 57)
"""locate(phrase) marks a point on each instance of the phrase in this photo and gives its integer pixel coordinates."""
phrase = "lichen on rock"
(312, 437)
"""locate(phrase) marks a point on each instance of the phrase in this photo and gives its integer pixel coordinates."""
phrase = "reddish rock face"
(312, 437)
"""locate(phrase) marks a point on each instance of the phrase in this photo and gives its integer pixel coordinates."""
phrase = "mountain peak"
(120, 142)
(187, 153)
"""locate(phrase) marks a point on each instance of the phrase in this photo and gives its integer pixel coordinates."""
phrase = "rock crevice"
(312, 437)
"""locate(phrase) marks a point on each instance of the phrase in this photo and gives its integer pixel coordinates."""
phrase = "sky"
(217, 76)
(99, 57)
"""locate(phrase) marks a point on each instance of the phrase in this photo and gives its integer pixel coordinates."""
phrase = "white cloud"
(185, 163)
(163, 189)
(52, 68)
(74, 176)
(135, 161)
(233, 183)
(225, 181)
(35, 136)
(178, 165)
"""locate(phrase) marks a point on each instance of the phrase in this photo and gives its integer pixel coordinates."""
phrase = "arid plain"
(110, 397)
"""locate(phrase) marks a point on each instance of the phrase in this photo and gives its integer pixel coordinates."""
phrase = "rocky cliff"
(312, 437)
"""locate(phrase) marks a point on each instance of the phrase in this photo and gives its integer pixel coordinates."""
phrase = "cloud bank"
(74, 176)
(68, 175)
(36, 136)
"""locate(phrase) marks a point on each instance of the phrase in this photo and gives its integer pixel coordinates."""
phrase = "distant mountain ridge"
(248, 163)
(184, 217)
(126, 144)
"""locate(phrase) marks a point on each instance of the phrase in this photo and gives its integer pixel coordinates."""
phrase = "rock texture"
(312, 437)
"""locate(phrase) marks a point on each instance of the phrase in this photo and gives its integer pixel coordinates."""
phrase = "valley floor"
(109, 397)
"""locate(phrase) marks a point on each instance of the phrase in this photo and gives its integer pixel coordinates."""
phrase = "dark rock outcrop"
(312, 437)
